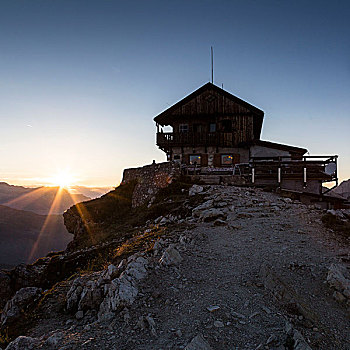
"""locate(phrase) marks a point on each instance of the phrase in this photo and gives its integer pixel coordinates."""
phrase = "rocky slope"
(213, 267)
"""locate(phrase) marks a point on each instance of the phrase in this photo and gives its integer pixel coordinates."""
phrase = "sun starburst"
(63, 179)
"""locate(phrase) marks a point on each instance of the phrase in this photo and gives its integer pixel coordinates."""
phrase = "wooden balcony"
(166, 140)
(322, 168)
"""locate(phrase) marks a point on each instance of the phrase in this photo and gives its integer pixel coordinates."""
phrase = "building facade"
(214, 128)
(213, 131)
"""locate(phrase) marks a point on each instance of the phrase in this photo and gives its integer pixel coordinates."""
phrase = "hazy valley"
(26, 236)
(31, 222)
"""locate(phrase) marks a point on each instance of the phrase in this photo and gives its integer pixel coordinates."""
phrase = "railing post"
(253, 175)
(279, 175)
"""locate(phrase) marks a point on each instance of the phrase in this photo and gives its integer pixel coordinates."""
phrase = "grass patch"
(114, 204)
(4, 337)
(142, 242)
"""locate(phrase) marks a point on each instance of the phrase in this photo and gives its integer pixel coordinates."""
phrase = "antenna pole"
(212, 65)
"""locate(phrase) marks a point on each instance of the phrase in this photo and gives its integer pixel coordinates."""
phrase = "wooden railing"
(323, 168)
(165, 140)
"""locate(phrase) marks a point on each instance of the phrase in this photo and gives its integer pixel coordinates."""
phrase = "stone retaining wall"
(150, 179)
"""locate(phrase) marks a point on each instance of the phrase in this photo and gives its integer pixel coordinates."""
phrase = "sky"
(81, 81)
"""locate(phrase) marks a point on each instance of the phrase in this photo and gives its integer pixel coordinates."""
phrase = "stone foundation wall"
(150, 179)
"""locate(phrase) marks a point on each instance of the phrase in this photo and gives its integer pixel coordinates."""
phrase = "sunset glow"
(63, 179)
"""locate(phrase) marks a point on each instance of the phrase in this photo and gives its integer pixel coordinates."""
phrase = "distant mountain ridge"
(92, 192)
(343, 189)
(41, 200)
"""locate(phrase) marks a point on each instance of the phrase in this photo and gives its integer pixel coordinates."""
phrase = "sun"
(63, 179)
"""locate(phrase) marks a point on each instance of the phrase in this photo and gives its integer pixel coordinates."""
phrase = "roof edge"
(201, 89)
(280, 146)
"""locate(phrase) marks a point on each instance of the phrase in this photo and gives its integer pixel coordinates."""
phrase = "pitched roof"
(160, 118)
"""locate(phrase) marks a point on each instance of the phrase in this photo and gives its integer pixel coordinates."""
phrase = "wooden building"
(215, 131)
(211, 127)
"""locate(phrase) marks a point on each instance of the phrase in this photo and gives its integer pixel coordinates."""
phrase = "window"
(226, 159)
(177, 158)
(212, 127)
(183, 128)
(195, 159)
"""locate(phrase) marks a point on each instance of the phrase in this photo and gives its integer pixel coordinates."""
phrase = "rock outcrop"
(16, 306)
(150, 179)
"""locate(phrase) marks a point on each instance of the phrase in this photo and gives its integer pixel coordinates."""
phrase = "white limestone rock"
(137, 268)
(111, 272)
(195, 189)
(212, 214)
(171, 256)
(196, 212)
(339, 278)
(122, 291)
(198, 343)
(54, 339)
(74, 293)
(91, 296)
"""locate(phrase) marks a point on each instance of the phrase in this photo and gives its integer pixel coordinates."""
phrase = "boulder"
(21, 301)
(74, 293)
(111, 272)
(171, 256)
(136, 269)
(122, 291)
(196, 212)
(54, 339)
(338, 277)
(299, 341)
(212, 214)
(22, 343)
(198, 343)
(90, 297)
(195, 189)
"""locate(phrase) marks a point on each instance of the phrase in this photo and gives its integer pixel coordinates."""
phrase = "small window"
(226, 159)
(212, 127)
(183, 128)
(177, 158)
(195, 159)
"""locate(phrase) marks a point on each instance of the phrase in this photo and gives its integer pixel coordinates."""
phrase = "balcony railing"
(323, 168)
(223, 139)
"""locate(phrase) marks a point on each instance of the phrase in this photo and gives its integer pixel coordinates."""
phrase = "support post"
(253, 175)
(279, 175)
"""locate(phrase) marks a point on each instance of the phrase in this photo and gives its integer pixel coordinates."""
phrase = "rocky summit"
(199, 267)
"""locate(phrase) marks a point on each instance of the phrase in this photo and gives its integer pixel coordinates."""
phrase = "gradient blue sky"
(80, 81)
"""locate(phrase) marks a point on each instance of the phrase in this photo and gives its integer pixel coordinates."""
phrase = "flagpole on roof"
(212, 65)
